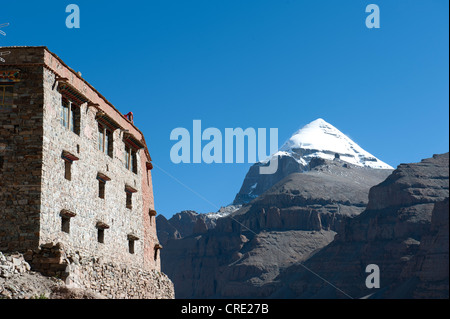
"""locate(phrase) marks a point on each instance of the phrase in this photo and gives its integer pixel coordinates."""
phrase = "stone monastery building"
(73, 169)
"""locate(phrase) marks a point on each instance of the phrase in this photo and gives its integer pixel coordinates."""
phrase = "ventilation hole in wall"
(78, 148)
(107, 167)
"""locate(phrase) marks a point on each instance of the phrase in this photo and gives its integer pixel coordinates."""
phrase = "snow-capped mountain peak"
(321, 139)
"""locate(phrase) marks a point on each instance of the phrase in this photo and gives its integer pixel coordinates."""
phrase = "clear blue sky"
(254, 63)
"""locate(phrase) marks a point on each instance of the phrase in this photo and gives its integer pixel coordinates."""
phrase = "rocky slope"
(318, 139)
(430, 266)
(54, 272)
(404, 231)
(18, 281)
(246, 251)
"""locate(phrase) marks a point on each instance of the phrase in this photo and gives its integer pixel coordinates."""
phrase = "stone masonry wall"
(21, 153)
(112, 279)
(149, 222)
(73, 275)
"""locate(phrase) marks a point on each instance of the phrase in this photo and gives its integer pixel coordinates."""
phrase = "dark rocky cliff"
(404, 231)
(325, 224)
(246, 251)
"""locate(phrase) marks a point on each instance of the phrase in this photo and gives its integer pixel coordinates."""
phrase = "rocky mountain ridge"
(243, 254)
(334, 220)
(403, 230)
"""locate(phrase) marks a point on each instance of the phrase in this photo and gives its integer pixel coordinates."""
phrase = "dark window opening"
(65, 224)
(127, 157)
(6, 95)
(156, 248)
(68, 170)
(101, 235)
(101, 188)
(129, 203)
(131, 246)
(134, 162)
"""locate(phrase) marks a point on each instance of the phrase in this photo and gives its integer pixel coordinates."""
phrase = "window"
(70, 115)
(156, 248)
(151, 213)
(101, 235)
(131, 246)
(129, 192)
(65, 224)
(105, 142)
(129, 204)
(68, 170)
(68, 160)
(130, 159)
(101, 232)
(102, 179)
(6, 95)
(101, 188)
(127, 157)
(65, 220)
(131, 239)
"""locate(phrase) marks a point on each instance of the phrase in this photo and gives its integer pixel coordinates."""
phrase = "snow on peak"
(223, 211)
(321, 139)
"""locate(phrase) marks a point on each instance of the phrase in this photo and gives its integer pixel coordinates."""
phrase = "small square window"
(68, 170)
(101, 226)
(101, 235)
(101, 188)
(129, 204)
(66, 215)
(68, 160)
(65, 224)
(131, 246)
